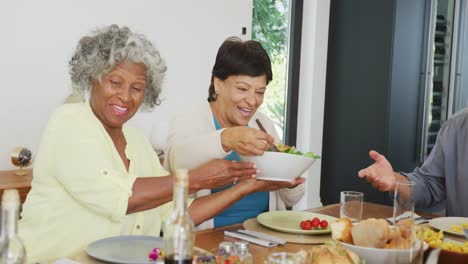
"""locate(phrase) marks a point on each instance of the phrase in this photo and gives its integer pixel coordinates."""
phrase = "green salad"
(292, 150)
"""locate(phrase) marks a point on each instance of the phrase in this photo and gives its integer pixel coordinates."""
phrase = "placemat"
(252, 224)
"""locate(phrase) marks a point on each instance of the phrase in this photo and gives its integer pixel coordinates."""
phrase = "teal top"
(248, 207)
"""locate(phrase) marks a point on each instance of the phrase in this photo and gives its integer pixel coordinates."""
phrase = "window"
(277, 27)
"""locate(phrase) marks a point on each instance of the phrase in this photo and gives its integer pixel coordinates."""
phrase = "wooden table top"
(209, 239)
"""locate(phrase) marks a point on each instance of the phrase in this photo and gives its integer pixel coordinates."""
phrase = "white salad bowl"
(279, 166)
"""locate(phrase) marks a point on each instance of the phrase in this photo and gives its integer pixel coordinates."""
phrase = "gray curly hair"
(97, 54)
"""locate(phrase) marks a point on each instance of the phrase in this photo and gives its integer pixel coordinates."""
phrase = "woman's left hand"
(254, 185)
(218, 173)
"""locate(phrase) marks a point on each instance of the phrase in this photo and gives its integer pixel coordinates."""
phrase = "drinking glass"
(403, 209)
(403, 202)
(351, 205)
(285, 258)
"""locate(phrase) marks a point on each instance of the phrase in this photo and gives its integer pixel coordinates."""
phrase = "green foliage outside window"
(270, 28)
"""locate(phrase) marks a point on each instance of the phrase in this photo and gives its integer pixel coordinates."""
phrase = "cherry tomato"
(315, 222)
(307, 226)
(302, 224)
(324, 224)
(316, 218)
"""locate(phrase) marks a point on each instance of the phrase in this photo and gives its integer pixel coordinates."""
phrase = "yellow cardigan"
(80, 187)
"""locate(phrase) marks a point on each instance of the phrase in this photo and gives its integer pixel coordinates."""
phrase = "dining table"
(209, 239)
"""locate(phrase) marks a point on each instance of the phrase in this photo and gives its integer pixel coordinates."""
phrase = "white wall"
(312, 92)
(38, 38)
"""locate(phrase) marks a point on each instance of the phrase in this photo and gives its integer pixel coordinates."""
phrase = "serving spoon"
(262, 128)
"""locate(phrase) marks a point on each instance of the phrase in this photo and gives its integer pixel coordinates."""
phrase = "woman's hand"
(218, 173)
(246, 140)
(380, 174)
(254, 185)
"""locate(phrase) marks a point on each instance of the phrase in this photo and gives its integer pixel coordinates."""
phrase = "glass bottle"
(241, 250)
(12, 248)
(179, 236)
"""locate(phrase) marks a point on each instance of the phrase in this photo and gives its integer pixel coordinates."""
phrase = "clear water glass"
(351, 205)
(403, 210)
(286, 258)
(403, 202)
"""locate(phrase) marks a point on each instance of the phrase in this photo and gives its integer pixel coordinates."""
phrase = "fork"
(465, 231)
(273, 146)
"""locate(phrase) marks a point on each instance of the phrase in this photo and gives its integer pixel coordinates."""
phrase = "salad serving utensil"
(262, 128)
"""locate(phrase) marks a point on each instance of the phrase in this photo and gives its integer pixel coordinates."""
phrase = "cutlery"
(262, 128)
(263, 236)
(251, 239)
(465, 231)
(416, 218)
(445, 239)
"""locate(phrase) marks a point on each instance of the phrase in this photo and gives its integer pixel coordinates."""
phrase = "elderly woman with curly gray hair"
(94, 176)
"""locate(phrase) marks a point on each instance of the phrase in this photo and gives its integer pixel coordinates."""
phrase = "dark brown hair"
(237, 57)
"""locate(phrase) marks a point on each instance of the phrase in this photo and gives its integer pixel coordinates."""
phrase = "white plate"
(444, 224)
(125, 249)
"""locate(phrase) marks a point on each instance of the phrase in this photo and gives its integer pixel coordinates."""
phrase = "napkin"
(258, 241)
(264, 236)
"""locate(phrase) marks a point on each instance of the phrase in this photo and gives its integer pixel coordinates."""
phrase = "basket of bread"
(330, 252)
(376, 241)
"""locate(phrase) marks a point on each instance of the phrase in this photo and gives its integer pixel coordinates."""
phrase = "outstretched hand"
(246, 140)
(218, 173)
(380, 174)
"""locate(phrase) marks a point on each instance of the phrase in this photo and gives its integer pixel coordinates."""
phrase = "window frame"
(294, 61)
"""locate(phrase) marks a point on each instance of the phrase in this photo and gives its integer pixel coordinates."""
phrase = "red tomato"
(302, 224)
(315, 222)
(324, 224)
(307, 226)
(316, 218)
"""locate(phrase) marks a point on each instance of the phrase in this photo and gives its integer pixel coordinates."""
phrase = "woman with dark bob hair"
(225, 128)
(94, 176)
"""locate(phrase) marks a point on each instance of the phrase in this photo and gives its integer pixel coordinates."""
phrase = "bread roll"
(371, 233)
(341, 230)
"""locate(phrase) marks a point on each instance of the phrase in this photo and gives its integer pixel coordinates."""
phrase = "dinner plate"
(289, 221)
(444, 224)
(124, 249)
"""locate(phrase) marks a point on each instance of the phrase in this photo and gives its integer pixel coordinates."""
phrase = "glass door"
(438, 88)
